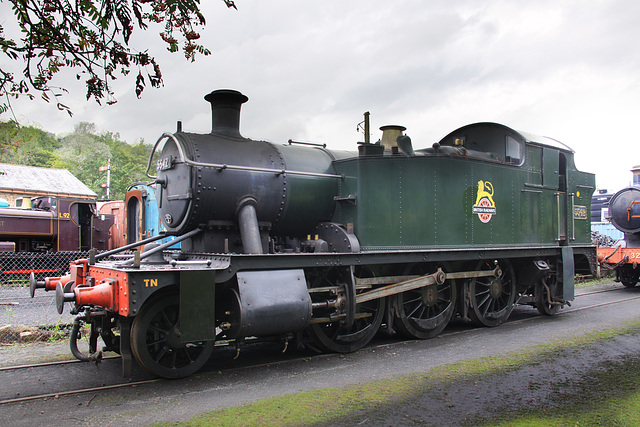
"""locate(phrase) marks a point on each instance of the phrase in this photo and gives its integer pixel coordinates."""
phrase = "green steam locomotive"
(299, 243)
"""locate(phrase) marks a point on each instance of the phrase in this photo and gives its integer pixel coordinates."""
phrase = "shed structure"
(29, 181)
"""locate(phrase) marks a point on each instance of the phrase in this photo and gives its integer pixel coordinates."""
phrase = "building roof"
(31, 179)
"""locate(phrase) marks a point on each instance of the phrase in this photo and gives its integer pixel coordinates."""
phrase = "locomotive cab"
(486, 141)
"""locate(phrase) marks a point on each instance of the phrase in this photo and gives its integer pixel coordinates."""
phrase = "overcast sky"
(566, 69)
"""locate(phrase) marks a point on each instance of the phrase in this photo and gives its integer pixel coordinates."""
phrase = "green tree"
(92, 38)
(128, 163)
(8, 142)
(82, 153)
(26, 145)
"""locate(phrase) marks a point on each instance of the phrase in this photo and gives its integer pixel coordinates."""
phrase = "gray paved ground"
(210, 389)
(41, 310)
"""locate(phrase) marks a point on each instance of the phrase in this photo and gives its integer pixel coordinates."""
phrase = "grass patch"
(581, 282)
(333, 404)
(605, 398)
(59, 331)
(309, 407)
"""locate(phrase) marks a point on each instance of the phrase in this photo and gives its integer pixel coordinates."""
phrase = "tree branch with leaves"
(91, 38)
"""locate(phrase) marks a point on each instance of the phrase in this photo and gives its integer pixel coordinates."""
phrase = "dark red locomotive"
(55, 224)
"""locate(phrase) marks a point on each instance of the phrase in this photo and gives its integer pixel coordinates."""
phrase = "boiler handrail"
(222, 166)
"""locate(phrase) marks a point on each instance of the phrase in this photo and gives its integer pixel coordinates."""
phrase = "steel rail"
(79, 391)
(304, 358)
(45, 364)
(64, 362)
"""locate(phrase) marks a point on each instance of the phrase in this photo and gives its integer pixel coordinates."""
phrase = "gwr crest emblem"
(484, 207)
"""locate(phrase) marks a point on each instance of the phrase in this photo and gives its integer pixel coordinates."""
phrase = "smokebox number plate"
(164, 164)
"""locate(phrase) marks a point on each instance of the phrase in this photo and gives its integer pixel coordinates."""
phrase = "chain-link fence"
(22, 318)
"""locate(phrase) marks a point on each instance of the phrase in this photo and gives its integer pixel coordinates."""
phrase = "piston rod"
(409, 283)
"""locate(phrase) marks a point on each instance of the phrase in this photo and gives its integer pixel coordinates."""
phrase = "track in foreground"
(57, 379)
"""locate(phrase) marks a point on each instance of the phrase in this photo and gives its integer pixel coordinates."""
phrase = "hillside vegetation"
(81, 152)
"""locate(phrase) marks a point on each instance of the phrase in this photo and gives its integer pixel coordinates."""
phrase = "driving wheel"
(336, 335)
(424, 312)
(491, 298)
(156, 344)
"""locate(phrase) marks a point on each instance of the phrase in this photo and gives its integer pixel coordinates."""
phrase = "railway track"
(39, 365)
(46, 370)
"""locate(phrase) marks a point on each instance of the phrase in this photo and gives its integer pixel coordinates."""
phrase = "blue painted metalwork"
(152, 225)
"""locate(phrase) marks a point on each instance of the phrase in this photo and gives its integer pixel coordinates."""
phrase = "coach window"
(513, 151)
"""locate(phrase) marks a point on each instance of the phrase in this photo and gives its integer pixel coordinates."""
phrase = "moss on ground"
(610, 397)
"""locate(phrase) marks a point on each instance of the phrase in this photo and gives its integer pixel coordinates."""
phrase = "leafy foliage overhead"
(92, 38)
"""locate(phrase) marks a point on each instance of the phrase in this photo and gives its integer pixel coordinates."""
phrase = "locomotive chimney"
(225, 111)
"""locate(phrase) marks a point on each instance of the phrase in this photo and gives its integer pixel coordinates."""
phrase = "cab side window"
(513, 151)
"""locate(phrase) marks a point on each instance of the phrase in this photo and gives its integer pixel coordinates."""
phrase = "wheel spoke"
(492, 299)
(161, 353)
(156, 342)
(416, 308)
(425, 312)
(430, 312)
(164, 318)
(158, 329)
(413, 300)
(174, 355)
(483, 303)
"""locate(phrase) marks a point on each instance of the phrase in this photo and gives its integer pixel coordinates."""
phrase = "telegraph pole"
(108, 177)
(108, 169)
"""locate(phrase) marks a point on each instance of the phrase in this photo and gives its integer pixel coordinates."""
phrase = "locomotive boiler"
(624, 214)
(300, 243)
(289, 189)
